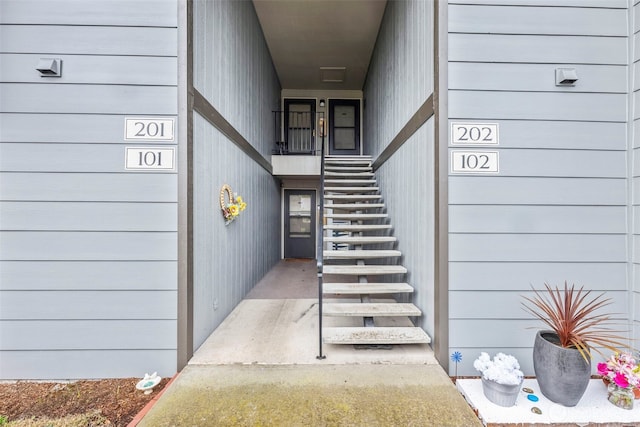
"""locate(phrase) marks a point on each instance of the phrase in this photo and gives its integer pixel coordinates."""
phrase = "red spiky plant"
(576, 319)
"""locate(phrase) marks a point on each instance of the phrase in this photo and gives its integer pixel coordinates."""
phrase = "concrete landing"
(311, 395)
(260, 368)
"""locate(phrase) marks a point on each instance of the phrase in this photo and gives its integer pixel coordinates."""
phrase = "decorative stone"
(536, 410)
(527, 390)
(533, 397)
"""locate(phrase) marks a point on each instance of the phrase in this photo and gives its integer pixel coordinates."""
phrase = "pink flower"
(621, 380)
(603, 369)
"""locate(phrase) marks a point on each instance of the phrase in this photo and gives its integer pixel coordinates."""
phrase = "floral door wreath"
(231, 204)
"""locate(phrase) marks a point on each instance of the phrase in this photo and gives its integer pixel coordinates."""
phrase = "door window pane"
(344, 116)
(344, 139)
(300, 227)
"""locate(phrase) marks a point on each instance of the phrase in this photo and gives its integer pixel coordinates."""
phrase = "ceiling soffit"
(313, 42)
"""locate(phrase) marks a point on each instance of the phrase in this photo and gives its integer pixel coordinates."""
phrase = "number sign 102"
(476, 162)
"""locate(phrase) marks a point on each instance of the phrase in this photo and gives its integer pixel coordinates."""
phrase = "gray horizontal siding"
(89, 99)
(87, 364)
(538, 247)
(73, 216)
(88, 40)
(88, 335)
(538, 20)
(88, 275)
(558, 209)
(472, 304)
(91, 69)
(81, 12)
(88, 305)
(95, 187)
(88, 158)
(564, 135)
(600, 107)
(89, 246)
(537, 191)
(50, 127)
(82, 240)
(562, 163)
(619, 4)
(538, 49)
(511, 276)
(535, 77)
(537, 219)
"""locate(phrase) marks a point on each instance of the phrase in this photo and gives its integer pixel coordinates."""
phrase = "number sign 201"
(474, 133)
(154, 129)
(474, 162)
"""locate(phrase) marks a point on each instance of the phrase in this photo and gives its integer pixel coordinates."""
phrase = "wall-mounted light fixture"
(566, 76)
(322, 103)
(49, 67)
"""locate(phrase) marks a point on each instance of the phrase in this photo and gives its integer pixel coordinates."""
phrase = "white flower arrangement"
(503, 369)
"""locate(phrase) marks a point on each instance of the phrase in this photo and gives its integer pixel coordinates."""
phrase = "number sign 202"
(474, 133)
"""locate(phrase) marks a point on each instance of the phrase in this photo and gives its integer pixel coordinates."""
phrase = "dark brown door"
(344, 126)
(300, 224)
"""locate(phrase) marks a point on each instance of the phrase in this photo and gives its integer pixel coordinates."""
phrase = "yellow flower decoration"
(231, 209)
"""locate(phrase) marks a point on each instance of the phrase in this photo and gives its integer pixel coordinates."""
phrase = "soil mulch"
(110, 402)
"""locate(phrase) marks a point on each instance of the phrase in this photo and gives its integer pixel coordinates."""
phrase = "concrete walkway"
(259, 368)
(311, 395)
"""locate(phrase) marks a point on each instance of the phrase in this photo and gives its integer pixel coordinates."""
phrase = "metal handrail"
(320, 242)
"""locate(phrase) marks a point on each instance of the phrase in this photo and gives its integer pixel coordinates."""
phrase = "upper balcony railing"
(298, 132)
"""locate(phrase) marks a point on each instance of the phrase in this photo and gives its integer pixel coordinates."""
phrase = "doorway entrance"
(344, 126)
(299, 223)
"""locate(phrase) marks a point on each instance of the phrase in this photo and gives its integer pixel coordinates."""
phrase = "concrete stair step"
(348, 168)
(347, 159)
(354, 182)
(370, 309)
(355, 216)
(360, 240)
(366, 288)
(353, 206)
(348, 174)
(363, 270)
(340, 197)
(361, 254)
(366, 189)
(375, 335)
(357, 227)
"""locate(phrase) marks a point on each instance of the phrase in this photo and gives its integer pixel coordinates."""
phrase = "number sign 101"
(149, 158)
(474, 162)
(474, 133)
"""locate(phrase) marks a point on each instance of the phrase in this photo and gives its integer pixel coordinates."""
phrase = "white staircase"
(354, 221)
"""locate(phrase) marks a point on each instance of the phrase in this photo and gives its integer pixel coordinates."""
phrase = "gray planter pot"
(500, 394)
(562, 373)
